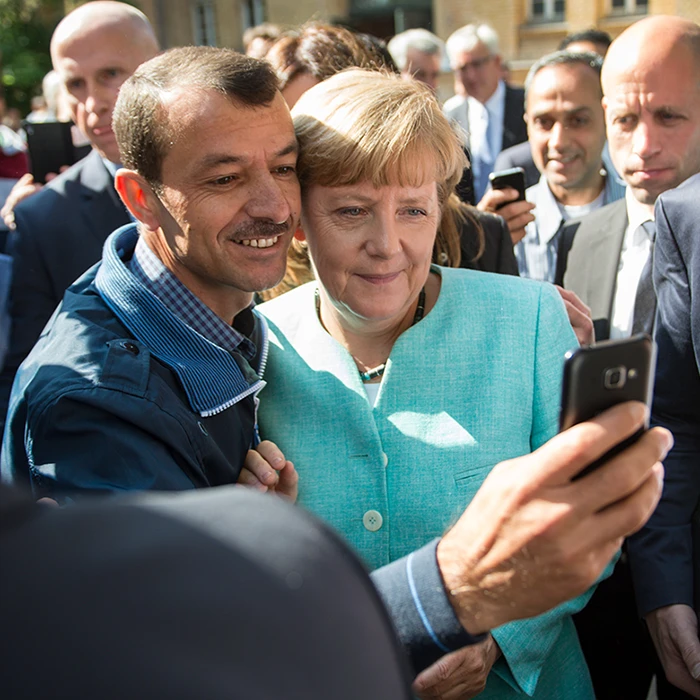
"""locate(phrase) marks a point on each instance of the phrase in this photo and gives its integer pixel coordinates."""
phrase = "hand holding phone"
(513, 177)
(600, 376)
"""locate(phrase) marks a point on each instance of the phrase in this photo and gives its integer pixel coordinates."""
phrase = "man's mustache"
(260, 229)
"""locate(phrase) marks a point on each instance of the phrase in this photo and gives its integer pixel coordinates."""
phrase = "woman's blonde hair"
(370, 126)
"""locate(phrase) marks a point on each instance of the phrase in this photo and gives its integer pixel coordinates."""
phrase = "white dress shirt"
(635, 251)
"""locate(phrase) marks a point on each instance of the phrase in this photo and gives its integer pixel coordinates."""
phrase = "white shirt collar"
(637, 213)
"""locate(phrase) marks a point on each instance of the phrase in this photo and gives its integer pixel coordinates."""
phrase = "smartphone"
(50, 146)
(600, 376)
(513, 177)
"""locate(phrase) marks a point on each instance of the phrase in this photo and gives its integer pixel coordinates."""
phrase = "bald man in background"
(61, 229)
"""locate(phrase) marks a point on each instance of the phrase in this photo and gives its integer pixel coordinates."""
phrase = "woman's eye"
(351, 211)
(415, 212)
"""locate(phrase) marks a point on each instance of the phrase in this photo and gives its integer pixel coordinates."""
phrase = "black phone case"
(514, 177)
(50, 146)
(587, 390)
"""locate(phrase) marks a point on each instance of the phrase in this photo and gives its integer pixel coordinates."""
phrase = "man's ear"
(299, 234)
(138, 197)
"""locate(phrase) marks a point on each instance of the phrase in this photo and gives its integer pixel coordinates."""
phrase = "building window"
(253, 13)
(203, 24)
(548, 10)
(628, 7)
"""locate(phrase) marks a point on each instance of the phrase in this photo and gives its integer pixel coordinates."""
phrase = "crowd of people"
(281, 284)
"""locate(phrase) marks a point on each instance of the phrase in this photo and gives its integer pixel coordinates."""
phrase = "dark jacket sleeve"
(414, 594)
(31, 303)
(661, 554)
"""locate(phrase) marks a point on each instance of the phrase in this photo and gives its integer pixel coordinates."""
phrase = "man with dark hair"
(159, 350)
(61, 229)
(520, 156)
(566, 130)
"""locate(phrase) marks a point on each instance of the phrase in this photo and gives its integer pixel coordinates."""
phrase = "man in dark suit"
(60, 230)
(225, 593)
(488, 110)
(652, 105)
(663, 564)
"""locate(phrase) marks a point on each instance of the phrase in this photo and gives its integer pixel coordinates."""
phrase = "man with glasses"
(489, 111)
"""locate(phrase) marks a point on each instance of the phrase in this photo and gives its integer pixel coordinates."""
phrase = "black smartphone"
(600, 376)
(50, 146)
(513, 177)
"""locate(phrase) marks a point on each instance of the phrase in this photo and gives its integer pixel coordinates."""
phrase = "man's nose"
(644, 141)
(557, 137)
(98, 100)
(269, 199)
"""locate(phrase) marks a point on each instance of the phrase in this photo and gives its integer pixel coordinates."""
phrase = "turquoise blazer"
(477, 381)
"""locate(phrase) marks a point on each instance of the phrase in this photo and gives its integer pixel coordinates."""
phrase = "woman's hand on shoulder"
(266, 469)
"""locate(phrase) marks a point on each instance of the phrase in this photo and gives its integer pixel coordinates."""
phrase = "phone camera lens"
(615, 377)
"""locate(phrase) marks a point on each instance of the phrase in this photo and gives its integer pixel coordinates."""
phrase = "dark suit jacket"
(497, 255)
(514, 127)
(519, 156)
(661, 554)
(60, 233)
(222, 593)
(588, 258)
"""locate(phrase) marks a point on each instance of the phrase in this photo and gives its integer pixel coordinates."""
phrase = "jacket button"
(131, 347)
(372, 520)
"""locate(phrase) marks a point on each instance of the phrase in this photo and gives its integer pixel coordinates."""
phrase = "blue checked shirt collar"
(213, 378)
(154, 276)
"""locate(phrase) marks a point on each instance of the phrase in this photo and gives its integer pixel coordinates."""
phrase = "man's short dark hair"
(595, 36)
(565, 58)
(140, 119)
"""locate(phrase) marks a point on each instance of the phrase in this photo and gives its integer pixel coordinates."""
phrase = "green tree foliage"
(25, 33)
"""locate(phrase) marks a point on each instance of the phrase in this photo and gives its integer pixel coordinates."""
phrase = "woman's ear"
(138, 197)
(299, 234)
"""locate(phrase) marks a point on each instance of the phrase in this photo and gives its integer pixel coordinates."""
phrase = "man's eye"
(351, 211)
(225, 180)
(414, 211)
(286, 170)
(544, 124)
(74, 85)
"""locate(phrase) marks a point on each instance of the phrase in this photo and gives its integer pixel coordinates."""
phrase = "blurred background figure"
(40, 111)
(419, 54)
(304, 57)
(589, 40)
(489, 112)
(258, 40)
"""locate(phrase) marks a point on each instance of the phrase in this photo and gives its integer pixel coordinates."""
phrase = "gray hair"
(564, 58)
(467, 37)
(419, 39)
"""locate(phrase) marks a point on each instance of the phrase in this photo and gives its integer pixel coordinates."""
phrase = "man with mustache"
(566, 131)
(148, 375)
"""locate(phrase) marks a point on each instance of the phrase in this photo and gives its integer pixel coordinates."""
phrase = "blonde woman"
(395, 385)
